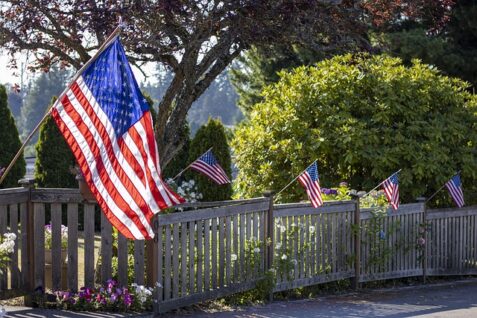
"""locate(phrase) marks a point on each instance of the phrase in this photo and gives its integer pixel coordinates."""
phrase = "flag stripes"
(454, 186)
(208, 165)
(310, 181)
(391, 190)
(123, 172)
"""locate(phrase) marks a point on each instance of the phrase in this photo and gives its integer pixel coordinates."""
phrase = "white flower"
(10, 236)
(278, 246)
(256, 250)
(233, 257)
(272, 270)
(3, 312)
(284, 257)
(312, 229)
(282, 228)
(158, 285)
(294, 261)
(192, 182)
(293, 225)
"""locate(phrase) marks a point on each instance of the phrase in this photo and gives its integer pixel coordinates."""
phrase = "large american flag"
(107, 124)
(454, 185)
(391, 189)
(310, 181)
(209, 166)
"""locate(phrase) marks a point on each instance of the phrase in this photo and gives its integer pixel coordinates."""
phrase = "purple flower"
(114, 297)
(111, 283)
(421, 241)
(329, 191)
(343, 184)
(127, 299)
(119, 291)
(85, 293)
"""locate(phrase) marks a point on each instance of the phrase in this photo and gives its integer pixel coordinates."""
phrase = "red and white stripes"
(122, 171)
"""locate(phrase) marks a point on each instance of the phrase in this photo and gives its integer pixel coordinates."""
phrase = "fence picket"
(175, 260)
(206, 255)
(192, 260)
(89, 245)
(24, 244)
(123, 260)
(200, 261)
(56, 262)
(14, 271)
(184, 267)
(228, 248)
(72, 219)
(167, 263)
(39, 251)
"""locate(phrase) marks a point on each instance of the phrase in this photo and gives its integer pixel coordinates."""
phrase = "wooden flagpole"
(106, 43)
(438, 190)
(276, 196)
(380, 183)
(189, 165)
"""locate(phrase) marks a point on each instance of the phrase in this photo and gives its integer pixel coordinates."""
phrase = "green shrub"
(9, 143)
(210, 135)
(54, 158)
(363, 117)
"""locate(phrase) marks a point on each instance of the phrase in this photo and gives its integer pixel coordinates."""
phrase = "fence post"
(424, 252)
(151, 256)
(357, 243)
(29, 285)
(269, 235)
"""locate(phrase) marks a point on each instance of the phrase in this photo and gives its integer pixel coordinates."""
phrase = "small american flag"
(391, 189)
(310, 181)
(454, 185)
(107, 124)
(208, 165)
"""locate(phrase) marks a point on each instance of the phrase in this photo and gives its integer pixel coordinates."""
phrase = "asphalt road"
(452, 299)
(457, 299)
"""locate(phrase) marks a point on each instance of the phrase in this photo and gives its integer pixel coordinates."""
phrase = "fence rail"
(216, 249)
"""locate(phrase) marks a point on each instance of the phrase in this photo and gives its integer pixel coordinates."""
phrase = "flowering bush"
(187, 189)
(7, 246)
(48, 236)
(110, 297)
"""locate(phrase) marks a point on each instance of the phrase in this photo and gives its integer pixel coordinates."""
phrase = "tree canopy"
(453, 50)
(196, 40)
(363, 117)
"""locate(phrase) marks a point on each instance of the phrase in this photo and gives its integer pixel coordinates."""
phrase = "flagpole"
(434, 194)
(276, 195)
(380, 183)
(190, 164)
(105, 44)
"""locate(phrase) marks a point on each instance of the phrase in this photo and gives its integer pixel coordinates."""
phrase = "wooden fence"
(220, 248)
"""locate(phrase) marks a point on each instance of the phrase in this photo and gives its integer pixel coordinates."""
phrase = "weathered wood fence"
(220, 248)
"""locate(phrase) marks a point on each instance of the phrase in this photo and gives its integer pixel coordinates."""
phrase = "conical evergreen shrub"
(53, 158)
(213, 135)
(9, 143)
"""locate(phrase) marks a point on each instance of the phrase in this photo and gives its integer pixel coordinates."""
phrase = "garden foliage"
(211, 135)
(363, 117)
(9, 143)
